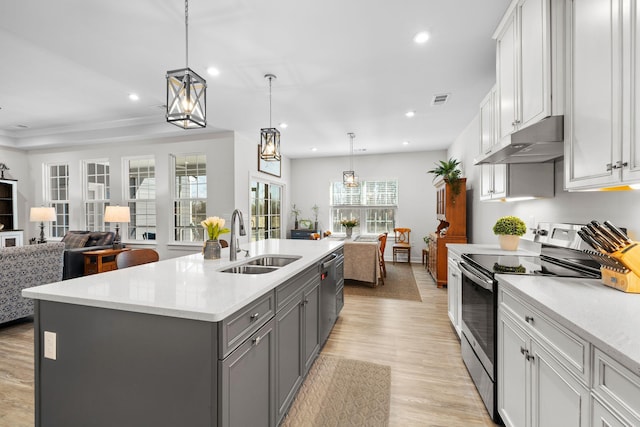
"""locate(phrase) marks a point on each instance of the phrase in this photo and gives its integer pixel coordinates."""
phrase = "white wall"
(620, 207)
(311, 179)
(219, 149)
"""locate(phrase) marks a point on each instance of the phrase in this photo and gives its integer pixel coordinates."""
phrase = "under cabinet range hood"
(538, 143)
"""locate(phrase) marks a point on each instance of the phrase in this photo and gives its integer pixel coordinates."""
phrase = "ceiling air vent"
(440, 99)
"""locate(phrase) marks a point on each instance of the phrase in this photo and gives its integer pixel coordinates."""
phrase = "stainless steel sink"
(273, 260)
(263, 264)
(249, 269)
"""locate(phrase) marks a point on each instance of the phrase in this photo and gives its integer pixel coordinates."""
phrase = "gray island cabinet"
(178, 342)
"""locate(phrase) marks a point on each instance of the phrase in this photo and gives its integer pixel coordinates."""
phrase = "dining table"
(361, 258)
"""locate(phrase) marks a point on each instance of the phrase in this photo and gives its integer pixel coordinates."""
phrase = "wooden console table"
(101, 260)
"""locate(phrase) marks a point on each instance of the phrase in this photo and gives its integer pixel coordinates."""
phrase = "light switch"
(50, 350)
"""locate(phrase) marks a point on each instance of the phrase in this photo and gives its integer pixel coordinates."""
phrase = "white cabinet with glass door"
(493, 178)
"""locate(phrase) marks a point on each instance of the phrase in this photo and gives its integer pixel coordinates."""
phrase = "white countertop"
(606, 317)
(187, 287)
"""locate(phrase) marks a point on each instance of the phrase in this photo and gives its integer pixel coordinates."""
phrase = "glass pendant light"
(186, 91)
(270, 137)
(349, 178)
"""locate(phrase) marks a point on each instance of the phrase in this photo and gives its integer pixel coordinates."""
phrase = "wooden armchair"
(402, 243)
(383, 243)
(136, 257)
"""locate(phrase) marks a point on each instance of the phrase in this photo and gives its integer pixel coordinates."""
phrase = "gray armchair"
(23, 267)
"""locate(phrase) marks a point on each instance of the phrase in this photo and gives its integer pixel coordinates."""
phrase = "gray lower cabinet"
(298, 343)
(247, 381)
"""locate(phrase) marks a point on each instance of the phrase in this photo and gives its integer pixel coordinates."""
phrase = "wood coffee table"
(101, 260)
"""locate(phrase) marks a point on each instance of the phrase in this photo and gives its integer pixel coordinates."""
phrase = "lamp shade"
(117, 214)
(42, 214)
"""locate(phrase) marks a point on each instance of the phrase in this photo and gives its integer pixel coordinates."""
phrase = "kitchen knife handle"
(618, 232)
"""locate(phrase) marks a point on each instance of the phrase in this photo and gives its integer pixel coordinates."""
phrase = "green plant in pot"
(448, 170)
(509, 229)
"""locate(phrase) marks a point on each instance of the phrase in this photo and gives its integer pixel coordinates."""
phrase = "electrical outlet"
(50, 345)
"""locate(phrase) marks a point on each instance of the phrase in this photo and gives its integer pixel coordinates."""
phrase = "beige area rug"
(399, 284)
(342, 392)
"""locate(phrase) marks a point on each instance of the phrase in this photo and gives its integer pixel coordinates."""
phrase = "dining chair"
(383, 243)
(402, 243)
(223, 243)
(136, 257)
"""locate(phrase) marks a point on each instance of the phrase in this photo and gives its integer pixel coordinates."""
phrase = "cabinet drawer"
(572, 351)
(289, 289)
(240, 325)
(616, 384)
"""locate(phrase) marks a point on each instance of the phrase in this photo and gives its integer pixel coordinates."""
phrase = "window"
(57, 196)
(140, 196)
(96, 193)
(266, 204)
(189, 196)
(373, 203)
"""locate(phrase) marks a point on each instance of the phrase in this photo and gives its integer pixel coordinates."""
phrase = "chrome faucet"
(234, 247)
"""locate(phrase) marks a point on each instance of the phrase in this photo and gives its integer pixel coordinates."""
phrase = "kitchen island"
(179, 342)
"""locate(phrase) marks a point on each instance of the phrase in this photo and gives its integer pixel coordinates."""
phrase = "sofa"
(24, 267)
(78, 242)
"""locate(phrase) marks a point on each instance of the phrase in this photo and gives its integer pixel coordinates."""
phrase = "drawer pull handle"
(528, 319)
(529, 357)
(255, 316)
(523, 350)
(256, 340)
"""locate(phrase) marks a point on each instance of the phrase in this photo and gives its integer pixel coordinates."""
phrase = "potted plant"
(450, 173)
(349, 224)
(509, 229)
(315, 209)
(295, 212)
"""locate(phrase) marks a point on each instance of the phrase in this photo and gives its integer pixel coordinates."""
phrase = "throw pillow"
(73, 241)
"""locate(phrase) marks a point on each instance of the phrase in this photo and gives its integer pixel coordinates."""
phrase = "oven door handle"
(476, 276)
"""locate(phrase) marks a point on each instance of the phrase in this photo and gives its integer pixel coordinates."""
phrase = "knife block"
(625, 282)
(629, 256)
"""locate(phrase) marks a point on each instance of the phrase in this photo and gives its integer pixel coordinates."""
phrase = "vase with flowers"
(214, 226)
(348, 224)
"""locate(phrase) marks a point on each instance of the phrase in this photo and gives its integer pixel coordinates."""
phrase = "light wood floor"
(430, 386)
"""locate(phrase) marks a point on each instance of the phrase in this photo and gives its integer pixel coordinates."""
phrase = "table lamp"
(41, 215)
(117, 214)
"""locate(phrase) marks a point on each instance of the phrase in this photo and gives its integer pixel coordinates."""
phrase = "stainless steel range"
(560, 256)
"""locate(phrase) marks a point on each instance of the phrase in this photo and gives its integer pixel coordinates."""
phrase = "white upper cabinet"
(601, 122)
(523, 66)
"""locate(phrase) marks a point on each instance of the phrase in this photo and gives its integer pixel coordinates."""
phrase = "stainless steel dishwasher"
(328, 288)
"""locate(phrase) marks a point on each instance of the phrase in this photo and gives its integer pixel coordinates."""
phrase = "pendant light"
(270, 137)
(349, 178)
(186, 91)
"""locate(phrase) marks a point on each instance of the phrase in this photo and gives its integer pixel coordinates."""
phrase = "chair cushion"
(75, 240)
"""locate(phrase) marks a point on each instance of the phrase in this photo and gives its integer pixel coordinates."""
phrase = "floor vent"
(440, 99)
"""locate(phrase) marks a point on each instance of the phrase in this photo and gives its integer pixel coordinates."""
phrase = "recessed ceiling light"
(421, 37)
(134, 97)
(284, 125)
(410, 113)
(213, 71)
(405, 142)
(22, 126)
(314, 149)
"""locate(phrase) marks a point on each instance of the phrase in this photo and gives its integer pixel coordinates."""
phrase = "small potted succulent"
(509, 229)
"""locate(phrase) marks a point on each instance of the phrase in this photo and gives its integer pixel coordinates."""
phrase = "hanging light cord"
(186, 31)
(270, 78)
(351, 135)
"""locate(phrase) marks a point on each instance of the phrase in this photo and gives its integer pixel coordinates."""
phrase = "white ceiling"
(67, 67)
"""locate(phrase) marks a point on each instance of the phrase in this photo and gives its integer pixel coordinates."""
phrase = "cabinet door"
(453, 292)
(311, 342)
(289, 367)
(593, 122)
(535, 53)
(487, 127)
(513, 390)
(499, 181)
(506, 69)
(247, 387)
(486, 182)
(557, 397)
(603, 417)
(631, 144)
